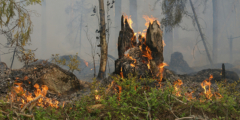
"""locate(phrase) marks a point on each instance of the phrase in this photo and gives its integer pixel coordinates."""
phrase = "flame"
(164, 44)
(205, 83)
(130, 22)
(130, 57)
(189, 95)
(97, 97)
(150, 20)
(25, 78)
(132, 65)
(161, 68)
(86, 63)
(120, 90)
(24, 97)
(177, 85)
(121, 73)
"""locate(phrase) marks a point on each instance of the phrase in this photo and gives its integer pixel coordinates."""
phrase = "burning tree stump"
(126, 39)
(143, 58)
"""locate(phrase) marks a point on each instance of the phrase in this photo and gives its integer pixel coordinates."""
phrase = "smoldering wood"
(155, 43)
(126, 38)
(137, 65)
(223, 72)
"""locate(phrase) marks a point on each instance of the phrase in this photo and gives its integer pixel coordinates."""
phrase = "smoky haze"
(65, 35)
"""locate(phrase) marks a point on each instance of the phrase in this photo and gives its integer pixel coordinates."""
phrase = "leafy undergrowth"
(124, 99)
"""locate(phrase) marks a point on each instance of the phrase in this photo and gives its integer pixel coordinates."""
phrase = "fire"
(20, 95)
(130, 22)
(132, 65)
(97, 97)
(120, 90)
(189, 95)
(121, 73)
(25, 78)
(86, 63)
(205, 83)
(130, 57)
(177, 85)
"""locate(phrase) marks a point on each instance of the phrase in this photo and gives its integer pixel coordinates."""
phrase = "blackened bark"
(223, 72)
(155, 43)
(126, 39)
(138, 60)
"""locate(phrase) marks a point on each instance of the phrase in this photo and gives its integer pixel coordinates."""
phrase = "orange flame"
(25, 78)
(205, 83)
(130, 22)
(86, 63)
(177, 85)
(26, 97)
(189, 95)
(97, 97)
(121, 73)
(161, 68)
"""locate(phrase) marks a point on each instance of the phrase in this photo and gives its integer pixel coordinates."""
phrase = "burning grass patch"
(130, 99)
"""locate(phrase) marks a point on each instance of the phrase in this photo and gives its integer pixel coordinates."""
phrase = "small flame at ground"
(97, 97)
(19, 94)
(177, 85)
(205, 83)
(121, 73)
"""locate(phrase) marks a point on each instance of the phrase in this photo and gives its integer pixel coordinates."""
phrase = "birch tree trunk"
(103, 42)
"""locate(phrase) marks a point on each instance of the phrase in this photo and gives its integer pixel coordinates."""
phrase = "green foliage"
(15, 19)
(140, 103)
(27, 57)
(72, 64)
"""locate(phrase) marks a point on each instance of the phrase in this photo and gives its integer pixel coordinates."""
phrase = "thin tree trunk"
(80, 32)
(133, 13)
(201, 34)
(215, 29)
(94, 67)
(44, 30)
(103, 42)
(13, 57)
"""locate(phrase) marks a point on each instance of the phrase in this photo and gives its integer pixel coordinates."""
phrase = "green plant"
(72, 64)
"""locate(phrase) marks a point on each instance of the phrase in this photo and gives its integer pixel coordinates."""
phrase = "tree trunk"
(133, 13)
(44, 29)
(215, 29)
(103, 42)
(80, 33)
(13, 56)
(201, 34)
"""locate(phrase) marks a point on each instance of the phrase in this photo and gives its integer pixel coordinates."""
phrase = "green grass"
(137, 104)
